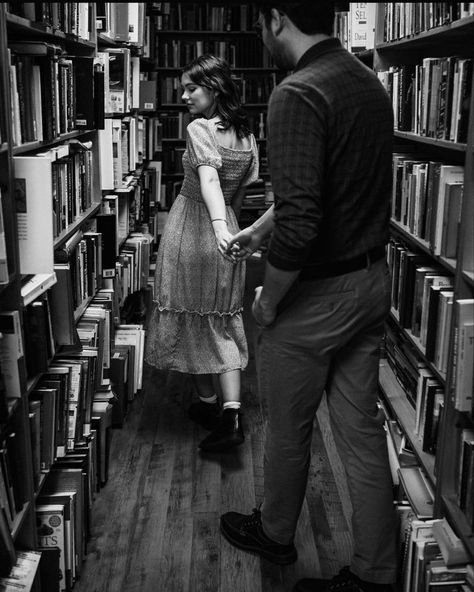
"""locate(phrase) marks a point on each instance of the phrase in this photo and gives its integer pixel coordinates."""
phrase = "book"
(4, 273)
(68, 500)
(420, 530)
(34, 204)
(59, 378)
(46, 397)
(62, 307)
(148, 95)
(51, 531)
(448, 174)
(12, 353)
(69, 479)
(119, 381)
(49, 569)
(37, 337)
(451, 219)
(464, 354)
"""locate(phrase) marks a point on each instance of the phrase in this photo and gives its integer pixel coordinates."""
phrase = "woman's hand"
(244, 243)
(223, 237)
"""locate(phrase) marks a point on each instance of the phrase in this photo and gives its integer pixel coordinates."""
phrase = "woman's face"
(199, 99)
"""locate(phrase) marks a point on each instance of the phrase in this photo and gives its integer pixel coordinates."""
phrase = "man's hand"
(244, 243)
(264, 315)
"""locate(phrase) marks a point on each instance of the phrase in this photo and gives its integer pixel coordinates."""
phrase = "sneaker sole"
(277, 559)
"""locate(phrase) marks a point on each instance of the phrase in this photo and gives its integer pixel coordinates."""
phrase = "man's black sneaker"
(246, 532)
(345, 581)
(205, 414)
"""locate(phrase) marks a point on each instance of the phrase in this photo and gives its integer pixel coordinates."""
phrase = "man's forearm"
(263, 226)
(276, 284)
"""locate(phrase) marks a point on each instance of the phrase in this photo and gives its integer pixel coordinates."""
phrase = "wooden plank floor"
(155, 525)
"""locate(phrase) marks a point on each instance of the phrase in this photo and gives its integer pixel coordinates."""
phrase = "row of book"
(81, 393)
(424, 389)
(177, 53)
(122, 21)
(53, 189)
(72, 18)
(422, 302)
(173, 124)
(51, 94)
(254, 88)
(355, 27)
(204, 16)
(427, 201)
(403, 19)
(123, 89)
(432, 98)
(433, 557)
(124, 145)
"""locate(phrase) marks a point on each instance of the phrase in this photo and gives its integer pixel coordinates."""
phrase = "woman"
(197, 326)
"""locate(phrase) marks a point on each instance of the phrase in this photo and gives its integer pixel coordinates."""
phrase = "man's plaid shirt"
(330, 130)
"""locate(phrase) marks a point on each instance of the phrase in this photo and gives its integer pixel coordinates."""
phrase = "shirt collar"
(317, 50)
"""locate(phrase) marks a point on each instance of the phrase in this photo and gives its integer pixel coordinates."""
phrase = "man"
(325, 294)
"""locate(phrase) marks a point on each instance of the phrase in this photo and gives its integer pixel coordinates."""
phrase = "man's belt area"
(326, 270)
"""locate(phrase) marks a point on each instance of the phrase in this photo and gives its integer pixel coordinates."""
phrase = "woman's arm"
(237, 200)
(214, 200)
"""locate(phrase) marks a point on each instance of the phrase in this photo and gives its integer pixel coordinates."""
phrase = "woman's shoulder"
(201, 123)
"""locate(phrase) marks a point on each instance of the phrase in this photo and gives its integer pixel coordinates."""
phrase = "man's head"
(289, 27)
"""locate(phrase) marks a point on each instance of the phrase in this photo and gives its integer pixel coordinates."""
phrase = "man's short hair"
(309, 16)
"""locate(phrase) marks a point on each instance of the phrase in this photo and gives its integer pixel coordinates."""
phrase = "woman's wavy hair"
(214, 73)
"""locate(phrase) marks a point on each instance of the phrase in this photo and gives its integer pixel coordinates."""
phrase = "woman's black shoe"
(229, 433)
(205, 414)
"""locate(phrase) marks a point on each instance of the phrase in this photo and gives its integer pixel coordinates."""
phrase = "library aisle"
(155, 525)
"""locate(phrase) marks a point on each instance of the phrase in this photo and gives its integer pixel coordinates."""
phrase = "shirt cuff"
(282, 263)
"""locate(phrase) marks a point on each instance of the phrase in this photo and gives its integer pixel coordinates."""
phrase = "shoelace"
(253, 520)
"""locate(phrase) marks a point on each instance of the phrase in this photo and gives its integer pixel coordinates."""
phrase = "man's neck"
(302, 43)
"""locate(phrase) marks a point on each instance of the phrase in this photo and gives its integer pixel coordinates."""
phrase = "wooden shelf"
(446, 144)
(458, 519)
(437, 39)
(394, 395)
(195, 33)
(33, 146)
(258, 69)
(21, 28)
(448, 264)
(72, 228)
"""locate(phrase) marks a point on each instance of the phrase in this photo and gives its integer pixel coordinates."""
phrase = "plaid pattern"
(330, 129)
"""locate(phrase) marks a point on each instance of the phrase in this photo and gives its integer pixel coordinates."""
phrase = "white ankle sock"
(212, 399)
(231, 405)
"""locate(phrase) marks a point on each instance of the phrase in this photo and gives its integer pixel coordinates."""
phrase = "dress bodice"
(235, 167)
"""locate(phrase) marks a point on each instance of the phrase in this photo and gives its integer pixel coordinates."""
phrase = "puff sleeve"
(252, 172)
(201, 144)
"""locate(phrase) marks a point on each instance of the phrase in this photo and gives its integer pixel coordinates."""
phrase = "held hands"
(263, 314)
(243, 244)
(223, 237)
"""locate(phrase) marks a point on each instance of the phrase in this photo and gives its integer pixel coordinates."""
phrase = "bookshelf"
(184, 30)
(77, 233)
(434, 138)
